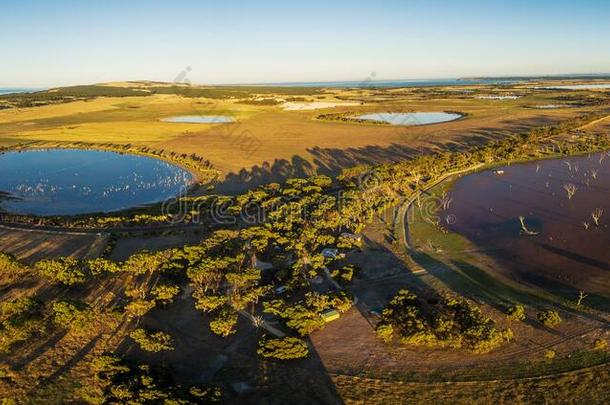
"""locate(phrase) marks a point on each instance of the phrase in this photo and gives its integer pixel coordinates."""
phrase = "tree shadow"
(478, 285)
(38, 350)
(202, 358)
(82, 352)
(299, 381)
(576, 257)
(331, 161)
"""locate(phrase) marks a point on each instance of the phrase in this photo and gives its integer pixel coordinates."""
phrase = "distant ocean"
(9, 90)
(393, 83)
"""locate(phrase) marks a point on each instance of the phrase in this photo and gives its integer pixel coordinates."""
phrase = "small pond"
(200, 119)
(74, 181)
(549, 106)
(569, 252)
(411, 118)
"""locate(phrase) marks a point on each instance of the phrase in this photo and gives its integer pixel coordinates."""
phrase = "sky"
(53, 43)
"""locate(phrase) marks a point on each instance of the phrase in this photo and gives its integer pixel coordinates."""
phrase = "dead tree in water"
(257, 321)
(446, 201)
(570, 189)
(596, 215)
(524, 229)
(581, 296)
(594, 173)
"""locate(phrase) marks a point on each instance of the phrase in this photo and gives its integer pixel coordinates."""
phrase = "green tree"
(286, 348)
(70, 314)
(207, 302)
(152, 342)
(101, 265)
(516, 313)
(165, 293)
(549, 318)
(139, 307)
(224, 323)
(65, 270)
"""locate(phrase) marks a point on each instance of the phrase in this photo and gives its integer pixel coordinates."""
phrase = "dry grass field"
(31, 246)
(267, 143)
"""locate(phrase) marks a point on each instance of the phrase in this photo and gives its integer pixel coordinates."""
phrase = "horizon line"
(600, 75)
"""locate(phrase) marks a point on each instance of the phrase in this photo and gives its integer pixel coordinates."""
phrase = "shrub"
(549, 354)
(152, 342)
(600, 344)
(384, 332)
(9, 265)
(549, 318)
(491, 339)
(516, 313)
(454, 323)
(286, 348)
(206, 395)
(263, 101)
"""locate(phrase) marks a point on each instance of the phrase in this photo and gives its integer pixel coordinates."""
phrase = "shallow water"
(200, 119)
(71, 181)
(564, 255)
(549, 106)
(371, 83)
(413, 118)
(15, 90)
(509, 97)
(581, 87)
